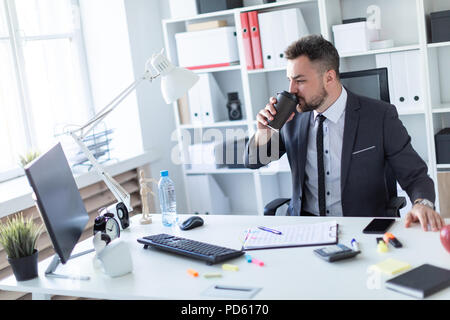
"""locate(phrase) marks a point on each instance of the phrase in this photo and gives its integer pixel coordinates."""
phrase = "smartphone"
(378, 226)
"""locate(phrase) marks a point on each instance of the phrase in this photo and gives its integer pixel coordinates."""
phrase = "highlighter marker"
(389, 237)
(382, 247)
(258, 262)
(212, 275)
(230, 267)
(192, 272)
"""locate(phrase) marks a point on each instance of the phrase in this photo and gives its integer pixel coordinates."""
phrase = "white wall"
(157, 120)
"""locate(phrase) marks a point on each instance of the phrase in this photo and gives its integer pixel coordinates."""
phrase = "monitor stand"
(55, 262)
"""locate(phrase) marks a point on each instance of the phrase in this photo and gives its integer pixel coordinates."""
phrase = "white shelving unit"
(404, 21)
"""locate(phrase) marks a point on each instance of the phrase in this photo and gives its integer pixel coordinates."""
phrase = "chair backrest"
(391, 181)
(395, 203)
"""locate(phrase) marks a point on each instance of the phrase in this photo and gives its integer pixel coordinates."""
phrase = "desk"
(289, 273)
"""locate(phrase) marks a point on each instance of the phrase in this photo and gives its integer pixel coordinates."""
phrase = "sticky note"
(230, 267)
(192, 272)
(391, 266)
(212, 275)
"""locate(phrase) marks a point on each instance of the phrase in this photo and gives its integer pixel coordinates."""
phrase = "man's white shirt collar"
(335, 111)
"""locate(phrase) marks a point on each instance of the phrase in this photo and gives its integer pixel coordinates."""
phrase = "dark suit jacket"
(368, 123)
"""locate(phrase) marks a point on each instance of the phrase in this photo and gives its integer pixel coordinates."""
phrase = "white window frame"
(16, 39)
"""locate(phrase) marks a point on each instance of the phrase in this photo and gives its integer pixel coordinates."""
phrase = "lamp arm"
(90, 125)
(99, 116)
(163, 66)
(117, 190)
(80, 133)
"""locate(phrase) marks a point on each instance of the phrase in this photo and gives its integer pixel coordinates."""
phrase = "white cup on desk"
(115, 258)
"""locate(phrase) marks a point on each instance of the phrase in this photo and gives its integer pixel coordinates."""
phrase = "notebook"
(296, 235)
(421, 282)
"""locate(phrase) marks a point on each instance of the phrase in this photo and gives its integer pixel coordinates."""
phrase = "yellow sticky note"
(391, 266)
(230, 267)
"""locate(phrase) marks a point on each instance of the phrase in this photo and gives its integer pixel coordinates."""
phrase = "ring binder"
(333, 231)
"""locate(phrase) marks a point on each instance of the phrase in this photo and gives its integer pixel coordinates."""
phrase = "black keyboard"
(190, 248)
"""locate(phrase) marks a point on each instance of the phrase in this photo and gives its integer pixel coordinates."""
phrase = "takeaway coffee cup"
(286, 104)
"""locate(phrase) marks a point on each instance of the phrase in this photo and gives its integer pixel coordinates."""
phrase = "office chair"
(393, 206)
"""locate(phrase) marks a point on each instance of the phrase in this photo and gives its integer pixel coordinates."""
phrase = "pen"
(231, 288)
(270, 230)
(355, 245)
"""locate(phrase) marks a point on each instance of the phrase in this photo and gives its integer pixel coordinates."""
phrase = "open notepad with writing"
(296, 235)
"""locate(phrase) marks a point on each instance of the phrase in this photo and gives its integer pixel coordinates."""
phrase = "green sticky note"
(391, 266)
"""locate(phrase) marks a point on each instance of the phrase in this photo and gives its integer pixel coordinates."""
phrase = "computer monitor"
(58, 200)
(372, 83)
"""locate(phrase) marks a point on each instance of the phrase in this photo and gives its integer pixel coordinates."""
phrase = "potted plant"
(18, 237)
(28, 157)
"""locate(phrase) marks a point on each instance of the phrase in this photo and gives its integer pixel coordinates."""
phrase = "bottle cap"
(164, 173)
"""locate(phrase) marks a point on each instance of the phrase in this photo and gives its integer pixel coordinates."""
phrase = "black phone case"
(369, 231)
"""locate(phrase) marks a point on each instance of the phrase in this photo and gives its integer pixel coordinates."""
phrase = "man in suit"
(338, 144)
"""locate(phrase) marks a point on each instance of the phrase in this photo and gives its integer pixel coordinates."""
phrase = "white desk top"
(289, 273)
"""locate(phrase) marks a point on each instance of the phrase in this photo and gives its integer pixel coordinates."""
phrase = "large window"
(43, 76)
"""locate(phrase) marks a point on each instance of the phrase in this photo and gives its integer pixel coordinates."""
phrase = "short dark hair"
(318, 50)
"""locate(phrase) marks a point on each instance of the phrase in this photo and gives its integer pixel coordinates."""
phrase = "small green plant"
(18, 236)
(28, 157)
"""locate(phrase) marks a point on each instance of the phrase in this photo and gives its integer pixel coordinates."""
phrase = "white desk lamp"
(175, 82)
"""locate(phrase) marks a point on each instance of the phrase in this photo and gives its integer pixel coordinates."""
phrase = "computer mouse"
(191, 223)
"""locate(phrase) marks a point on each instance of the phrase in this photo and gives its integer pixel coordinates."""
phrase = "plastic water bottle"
(167, 200)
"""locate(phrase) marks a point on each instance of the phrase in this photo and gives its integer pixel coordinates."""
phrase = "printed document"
(292, 236)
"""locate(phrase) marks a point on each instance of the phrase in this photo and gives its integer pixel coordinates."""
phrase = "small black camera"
(234, 106)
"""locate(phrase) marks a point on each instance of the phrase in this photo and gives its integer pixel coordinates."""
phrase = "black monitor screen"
(58, 199)
(371, 83)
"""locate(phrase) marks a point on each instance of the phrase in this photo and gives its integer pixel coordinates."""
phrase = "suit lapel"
(350, 129)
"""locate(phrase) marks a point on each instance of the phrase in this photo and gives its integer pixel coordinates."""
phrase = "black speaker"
(205, 6)
(234, 106)
(442, 139)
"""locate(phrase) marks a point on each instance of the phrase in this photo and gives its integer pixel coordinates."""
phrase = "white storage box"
(183, 8)
(353, 37)
(207, 48)
(202, 156)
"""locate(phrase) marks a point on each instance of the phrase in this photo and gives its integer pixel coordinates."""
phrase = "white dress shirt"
(333, 133)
